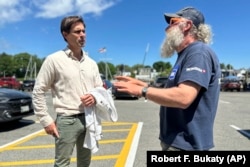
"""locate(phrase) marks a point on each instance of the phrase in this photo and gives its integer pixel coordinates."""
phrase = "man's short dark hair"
(67, 22)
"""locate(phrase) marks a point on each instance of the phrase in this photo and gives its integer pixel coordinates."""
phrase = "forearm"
(170, 97)
(40, 108)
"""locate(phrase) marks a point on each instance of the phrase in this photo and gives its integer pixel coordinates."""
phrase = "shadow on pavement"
(245, 133)
(8, 126)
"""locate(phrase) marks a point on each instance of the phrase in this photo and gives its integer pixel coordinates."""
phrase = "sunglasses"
(175, 20)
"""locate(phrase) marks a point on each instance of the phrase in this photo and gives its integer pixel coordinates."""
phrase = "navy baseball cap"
(189, 13)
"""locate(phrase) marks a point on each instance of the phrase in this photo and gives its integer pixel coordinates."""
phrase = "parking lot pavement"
(117, 147)
(138, 120)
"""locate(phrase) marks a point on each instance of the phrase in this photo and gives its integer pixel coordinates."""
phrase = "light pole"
(104, 50)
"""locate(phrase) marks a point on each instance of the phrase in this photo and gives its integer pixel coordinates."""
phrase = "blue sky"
(124, 27)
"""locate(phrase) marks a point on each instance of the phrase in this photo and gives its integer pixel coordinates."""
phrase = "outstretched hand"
(131, 80)
(129, 85)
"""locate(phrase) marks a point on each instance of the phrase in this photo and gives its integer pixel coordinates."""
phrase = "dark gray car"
(28, 85)
(14, 105)
(160, 82)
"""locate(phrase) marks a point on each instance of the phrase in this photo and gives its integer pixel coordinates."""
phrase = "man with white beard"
(189, 99)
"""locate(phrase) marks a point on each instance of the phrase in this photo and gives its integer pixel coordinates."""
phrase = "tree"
(163, 68)
(159, 66)
(123, 68)
(230, 67)
(103, 66)
(135, 68)
(6, 65)
(17, 65)
(222, 66)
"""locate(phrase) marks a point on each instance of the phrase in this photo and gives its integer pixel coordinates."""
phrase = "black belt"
(77, 115)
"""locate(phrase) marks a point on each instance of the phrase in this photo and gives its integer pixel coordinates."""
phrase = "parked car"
(14, 105)
(160, 82)
(10, 82)
(230, 85)
(106, 84)
(28, 85)
(3, 84)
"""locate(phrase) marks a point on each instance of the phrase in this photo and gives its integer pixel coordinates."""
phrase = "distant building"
(146, 74)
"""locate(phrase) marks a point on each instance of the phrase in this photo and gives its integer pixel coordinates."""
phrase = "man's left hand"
(87, 100)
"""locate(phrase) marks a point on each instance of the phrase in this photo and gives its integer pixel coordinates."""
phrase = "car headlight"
(3, 99)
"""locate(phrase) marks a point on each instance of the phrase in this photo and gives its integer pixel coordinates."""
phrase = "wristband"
(144, 91)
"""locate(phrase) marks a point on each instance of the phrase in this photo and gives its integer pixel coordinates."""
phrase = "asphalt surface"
(125, 142)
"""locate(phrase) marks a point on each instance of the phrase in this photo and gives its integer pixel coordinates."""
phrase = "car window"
(108, 83)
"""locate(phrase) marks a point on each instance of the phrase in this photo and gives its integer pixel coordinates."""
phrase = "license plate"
(24, 109)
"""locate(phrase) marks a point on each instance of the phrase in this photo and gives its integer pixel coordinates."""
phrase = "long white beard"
(172, 41)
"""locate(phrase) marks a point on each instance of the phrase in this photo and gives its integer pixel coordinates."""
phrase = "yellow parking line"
(52, 145)
(20, 141)
(33, 162)
(116, 123)
(121, 158)
(51, 161)
(112, 141)
(104, 157)
(125, 150)
(30, 147)
(116, 130)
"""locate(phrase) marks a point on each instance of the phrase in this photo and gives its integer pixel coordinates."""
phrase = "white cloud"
(56, 8)
(16, 10)
(12, 11)
(93, 6)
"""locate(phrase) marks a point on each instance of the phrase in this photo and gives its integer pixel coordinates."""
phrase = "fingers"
(123, 78)
(88, 100)
(118, 85)
(55, 134)
(52, 130)
(131, 80)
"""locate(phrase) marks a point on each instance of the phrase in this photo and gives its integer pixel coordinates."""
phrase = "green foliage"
(135, 69)
(16, 65)
(226, 67)
(6, 65)
(163, 68)
(11, 65)
(106, 68)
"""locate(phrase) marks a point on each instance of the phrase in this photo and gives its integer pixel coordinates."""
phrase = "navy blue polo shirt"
(192, 128)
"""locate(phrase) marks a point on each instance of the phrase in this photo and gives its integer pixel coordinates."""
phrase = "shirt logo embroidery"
(173, 73)
(196, 69)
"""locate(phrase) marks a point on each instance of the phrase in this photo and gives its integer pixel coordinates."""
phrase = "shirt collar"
(69, 53)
